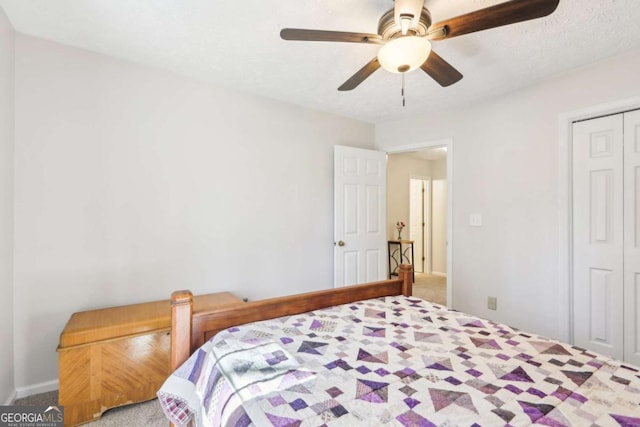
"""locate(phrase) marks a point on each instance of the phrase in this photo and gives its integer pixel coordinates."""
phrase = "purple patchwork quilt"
(396, 361)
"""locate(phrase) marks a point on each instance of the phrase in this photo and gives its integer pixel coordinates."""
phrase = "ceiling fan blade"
(328, 36)
(440, 70)
(495, 16)
(361, 75)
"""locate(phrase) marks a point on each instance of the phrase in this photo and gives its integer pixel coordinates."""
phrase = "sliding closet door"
(598, 235)
(632, 236)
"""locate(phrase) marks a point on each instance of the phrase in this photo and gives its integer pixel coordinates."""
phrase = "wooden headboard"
(190, 330)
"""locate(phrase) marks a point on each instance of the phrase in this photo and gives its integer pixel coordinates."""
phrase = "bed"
(373, 355)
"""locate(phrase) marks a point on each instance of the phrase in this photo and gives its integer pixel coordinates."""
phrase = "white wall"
(6, 207)
(439, 168)
(132, 182)
(506, 168)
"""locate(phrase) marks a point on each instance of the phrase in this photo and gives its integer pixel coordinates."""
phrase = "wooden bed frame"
(189, 329)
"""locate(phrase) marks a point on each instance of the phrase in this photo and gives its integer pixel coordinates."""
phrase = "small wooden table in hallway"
(400, 252)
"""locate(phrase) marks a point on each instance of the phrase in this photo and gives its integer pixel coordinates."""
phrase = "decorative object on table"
(400, 225)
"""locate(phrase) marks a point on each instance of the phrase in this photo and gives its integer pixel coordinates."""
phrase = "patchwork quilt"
(396, 361)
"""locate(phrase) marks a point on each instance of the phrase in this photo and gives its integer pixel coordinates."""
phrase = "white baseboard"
(437, 273)
(11, 399)
(36, 389)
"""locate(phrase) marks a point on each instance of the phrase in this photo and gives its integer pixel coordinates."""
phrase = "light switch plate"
(475, 220)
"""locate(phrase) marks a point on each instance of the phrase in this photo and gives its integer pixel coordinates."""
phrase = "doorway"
(417, 196)
(565, 300)
(605, 220)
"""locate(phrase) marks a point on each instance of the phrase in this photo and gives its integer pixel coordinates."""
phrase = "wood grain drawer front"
(106, 374)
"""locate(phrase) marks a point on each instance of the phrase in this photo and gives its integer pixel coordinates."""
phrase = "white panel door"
(360, 181)
(598, 235)
(418, 221)
(632, 237)
(439, 227)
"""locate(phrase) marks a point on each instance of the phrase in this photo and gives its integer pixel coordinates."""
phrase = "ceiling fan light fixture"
(405, 23)
(404, 54)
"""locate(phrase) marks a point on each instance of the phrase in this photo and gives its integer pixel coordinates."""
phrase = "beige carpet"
(146, 414)
(430, 288)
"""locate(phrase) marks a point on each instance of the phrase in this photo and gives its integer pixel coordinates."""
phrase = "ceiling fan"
(405, 33)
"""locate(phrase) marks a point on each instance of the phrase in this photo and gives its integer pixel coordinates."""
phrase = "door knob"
(341, 243)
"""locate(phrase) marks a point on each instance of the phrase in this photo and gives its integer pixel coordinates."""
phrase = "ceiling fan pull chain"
(402, 90)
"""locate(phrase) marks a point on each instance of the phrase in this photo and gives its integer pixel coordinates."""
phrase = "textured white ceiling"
(236, 44)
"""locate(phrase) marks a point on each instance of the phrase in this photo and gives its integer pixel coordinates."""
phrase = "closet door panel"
(598, 235)
(632, 236)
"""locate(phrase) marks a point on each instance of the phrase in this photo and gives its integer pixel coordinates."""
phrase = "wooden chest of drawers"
(120, 355)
